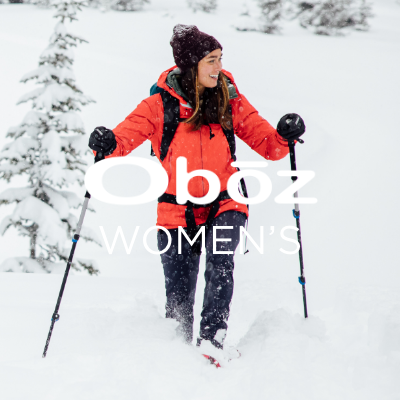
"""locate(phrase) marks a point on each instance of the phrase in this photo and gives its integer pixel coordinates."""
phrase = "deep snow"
(111, 340)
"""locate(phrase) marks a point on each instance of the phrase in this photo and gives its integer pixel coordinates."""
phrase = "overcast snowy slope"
(112, 339)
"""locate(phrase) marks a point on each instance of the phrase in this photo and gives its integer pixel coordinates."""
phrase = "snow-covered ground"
(112, 340)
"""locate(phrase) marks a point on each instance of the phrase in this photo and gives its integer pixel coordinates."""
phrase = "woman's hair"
(212, 107)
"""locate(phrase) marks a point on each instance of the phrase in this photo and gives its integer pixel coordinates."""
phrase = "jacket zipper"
(170, 164)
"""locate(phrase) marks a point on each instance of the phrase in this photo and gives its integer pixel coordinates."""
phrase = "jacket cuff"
(281, 140)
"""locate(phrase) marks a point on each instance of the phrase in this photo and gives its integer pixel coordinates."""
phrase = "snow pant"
(181, 271)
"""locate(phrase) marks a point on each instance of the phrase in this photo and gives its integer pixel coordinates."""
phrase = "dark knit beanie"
(189, 45)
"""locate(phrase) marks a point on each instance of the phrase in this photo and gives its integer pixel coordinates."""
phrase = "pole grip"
(292, 159)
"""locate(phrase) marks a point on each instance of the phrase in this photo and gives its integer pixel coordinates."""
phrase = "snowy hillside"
(112, 340)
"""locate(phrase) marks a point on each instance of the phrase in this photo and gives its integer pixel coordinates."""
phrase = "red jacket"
(146, 122)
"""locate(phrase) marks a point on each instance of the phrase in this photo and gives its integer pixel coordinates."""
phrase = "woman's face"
(208, 70)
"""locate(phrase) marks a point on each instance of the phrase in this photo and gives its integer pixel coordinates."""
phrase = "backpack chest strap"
(171, 199)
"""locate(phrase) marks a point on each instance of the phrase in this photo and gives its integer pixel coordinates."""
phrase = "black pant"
(181, 271)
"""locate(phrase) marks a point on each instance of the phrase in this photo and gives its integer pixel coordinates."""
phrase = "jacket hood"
(169, 81)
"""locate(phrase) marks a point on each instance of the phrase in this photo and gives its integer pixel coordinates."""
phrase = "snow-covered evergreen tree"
(128, 5)
(48, 148)
(330, 17)
(202, 5)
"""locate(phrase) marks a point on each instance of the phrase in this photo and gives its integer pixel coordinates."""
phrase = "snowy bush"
(271, 12)
(265, 18)
(330, 17)
(42, 3)
(102, 5)
(94, 3)
(327, 17)
(48, 148)
(203, 5)
(128, 5)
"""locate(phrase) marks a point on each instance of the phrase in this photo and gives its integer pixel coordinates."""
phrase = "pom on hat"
(189, 45)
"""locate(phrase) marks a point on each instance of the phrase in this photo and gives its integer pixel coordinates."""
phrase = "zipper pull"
(211, 134)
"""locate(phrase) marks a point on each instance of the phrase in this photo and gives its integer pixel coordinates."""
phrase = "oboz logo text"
(159, 183)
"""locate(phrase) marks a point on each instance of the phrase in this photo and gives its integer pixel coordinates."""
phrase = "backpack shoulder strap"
(155, 89)
(230, 137)
(171, 119)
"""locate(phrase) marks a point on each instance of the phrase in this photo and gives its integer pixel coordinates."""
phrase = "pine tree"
(330, 17)
(48, 148)
(203, 5)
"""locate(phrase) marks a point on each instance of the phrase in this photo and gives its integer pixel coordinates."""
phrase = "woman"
(194, 112)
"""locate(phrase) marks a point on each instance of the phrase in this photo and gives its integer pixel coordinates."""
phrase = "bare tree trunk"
(33, 244)
(32, 229)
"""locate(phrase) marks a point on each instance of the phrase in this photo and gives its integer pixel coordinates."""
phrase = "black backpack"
(171, 121)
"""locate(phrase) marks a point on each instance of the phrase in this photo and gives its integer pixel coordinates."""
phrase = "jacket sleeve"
(140, 125)
(256, 132)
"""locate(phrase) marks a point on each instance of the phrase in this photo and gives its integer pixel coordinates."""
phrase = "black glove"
(291, 127)
(103, 140)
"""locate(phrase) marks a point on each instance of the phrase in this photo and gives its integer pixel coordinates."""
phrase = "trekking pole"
(56, 316)
(296, 215)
